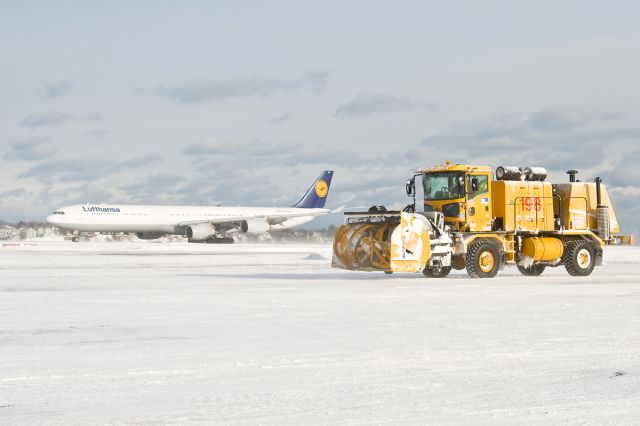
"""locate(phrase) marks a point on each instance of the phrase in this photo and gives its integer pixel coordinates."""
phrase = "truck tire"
(532, 271)
(579, 258)
(436, 273)
(483, 259)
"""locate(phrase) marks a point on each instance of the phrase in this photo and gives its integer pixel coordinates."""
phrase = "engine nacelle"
(254, 226)
(200, 231)
(149, 235)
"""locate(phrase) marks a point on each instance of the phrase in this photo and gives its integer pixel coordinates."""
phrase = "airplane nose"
(51, 219)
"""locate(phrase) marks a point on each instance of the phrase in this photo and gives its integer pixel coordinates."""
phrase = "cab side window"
(477, 185)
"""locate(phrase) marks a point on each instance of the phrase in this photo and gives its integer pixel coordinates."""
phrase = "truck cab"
(461, 193)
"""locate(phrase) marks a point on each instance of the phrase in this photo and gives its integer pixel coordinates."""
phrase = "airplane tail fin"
(316, 195)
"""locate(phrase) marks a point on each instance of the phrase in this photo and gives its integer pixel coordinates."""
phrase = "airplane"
(200, 224)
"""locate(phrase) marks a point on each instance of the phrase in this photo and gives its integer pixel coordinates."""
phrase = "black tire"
(436, 273)
(219, 240)
(388, 272)
(483, 259)
(579, 258)
(533, 270)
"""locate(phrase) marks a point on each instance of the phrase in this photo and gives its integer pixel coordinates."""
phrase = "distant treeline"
(25, 224)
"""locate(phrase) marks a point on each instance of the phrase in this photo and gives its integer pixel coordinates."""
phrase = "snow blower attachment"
(473, 221)
(392, 241)
(363, 246)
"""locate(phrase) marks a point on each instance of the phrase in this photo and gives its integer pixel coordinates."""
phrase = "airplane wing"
(271, 219)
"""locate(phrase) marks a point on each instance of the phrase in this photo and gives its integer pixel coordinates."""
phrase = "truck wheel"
(483, 259)
(436, 273)
(533, 270)
(579, 258)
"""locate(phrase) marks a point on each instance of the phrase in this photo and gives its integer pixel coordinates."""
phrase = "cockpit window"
(58, 212)
(443, 186)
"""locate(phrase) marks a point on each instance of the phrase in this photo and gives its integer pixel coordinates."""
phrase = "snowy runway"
(109, 333)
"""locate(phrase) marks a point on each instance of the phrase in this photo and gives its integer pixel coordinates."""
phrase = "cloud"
(25, 204)
(55, 90)
(75, 194)
(240, 150)
(369, 103)
(282, 118)
(16, 193)
(242, 87)
(99, 134)
(625, 173)
(625, 200)
(84, 169)
(53, 118)
(274, 173)
(556, 137)
(156, 188)
(205, 149)
(31, 149)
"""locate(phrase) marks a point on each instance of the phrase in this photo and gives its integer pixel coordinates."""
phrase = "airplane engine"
(200, 231)
(254, 226)
(149, 235)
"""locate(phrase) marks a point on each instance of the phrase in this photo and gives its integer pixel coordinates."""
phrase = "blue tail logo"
(316, 195)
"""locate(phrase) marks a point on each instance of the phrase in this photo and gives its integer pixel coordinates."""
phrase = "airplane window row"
(204, 214)
(120, 214)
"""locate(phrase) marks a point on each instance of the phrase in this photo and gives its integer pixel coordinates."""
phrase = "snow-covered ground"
(141, 333)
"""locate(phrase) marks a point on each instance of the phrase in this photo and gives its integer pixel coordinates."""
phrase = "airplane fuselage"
(168, 219)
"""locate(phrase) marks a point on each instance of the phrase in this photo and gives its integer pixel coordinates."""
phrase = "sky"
(246, 102)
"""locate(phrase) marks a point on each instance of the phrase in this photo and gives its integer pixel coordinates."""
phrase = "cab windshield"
(443, 186)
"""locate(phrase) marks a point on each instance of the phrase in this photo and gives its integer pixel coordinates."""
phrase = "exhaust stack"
(598, 192)
(602, 214)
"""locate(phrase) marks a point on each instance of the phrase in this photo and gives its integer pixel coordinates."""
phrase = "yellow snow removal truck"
(476, 221)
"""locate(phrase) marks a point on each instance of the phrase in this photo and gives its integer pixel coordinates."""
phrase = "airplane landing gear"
(219, 240)
(214, 240)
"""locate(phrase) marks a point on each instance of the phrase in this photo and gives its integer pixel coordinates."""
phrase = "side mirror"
(474, 184)
(411, 187)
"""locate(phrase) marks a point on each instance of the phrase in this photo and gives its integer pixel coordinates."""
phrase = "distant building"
(6, 232)
(30, 233)
(51, 230)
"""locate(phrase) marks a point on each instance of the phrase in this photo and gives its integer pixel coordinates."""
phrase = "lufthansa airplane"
(197, 223)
